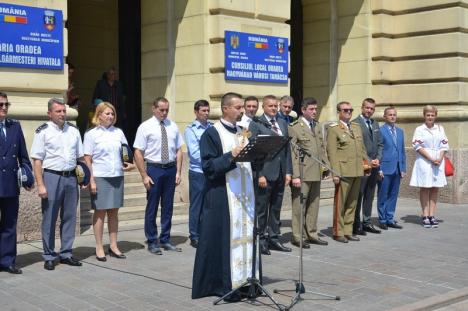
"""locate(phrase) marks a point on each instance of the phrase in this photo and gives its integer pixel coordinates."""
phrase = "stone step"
(128, 213)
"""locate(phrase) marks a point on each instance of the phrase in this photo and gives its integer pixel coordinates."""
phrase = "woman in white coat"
(431, 144)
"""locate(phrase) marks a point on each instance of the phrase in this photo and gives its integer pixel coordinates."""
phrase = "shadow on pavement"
(415, 219)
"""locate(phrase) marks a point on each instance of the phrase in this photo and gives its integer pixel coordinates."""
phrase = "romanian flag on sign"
(258, 45)
(14, 19)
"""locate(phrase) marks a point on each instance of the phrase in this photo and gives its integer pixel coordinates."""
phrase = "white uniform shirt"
(57, 148)
(245, 121)
(148, 140)
(104, 145)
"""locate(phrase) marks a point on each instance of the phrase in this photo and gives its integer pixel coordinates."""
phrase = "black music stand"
(260, 148)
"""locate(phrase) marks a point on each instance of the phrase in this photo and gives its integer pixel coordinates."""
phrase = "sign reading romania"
(253, 57)
(31, 37)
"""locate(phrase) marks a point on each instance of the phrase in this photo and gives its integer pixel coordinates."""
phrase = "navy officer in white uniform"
(12, 154)
(56, 148)
(158, 142)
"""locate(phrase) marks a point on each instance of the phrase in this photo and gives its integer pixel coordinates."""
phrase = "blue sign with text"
(253, 57)
(31, 37)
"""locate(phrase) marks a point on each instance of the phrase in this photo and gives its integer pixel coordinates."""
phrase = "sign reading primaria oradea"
(253, 57)
(31, 37)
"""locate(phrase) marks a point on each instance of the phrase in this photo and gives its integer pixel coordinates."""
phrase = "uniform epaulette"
(40, 128)
(12, 120)
(355, 123)
(192, 124)
(293, 122)
(71, 124)
(333, 124)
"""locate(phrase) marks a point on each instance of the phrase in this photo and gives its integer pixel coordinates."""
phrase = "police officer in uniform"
(193, 134)
(306, 133)
(12, 153)
(56, 148)
(347, 155)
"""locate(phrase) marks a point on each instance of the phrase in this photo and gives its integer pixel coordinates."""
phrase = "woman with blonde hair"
(103, 148)
(431, 144)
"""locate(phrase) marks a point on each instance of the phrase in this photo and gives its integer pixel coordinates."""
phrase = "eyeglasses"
(347, 110)
(6, 105)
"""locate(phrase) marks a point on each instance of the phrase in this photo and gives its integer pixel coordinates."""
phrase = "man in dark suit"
(392, 169)
(13, 153)
(270, 178)
(373, 142)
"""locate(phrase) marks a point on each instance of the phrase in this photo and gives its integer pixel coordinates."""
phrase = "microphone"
(264, 123)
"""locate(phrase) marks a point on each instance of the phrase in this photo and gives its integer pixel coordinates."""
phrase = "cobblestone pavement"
(380, 272)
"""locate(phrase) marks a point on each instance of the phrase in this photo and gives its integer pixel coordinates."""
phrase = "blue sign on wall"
(253, 57)
(31, 37)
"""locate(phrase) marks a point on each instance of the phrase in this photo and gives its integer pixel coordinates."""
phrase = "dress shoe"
(154, 249)
(49, 265)
(341, 239)
(71, 262)
(194, 243)
(169, 247)
(317, 241)
(305, 244)
(360, 232)
(395, 226)
(352, 238)
(103, 259)
(370, 228)
(115, 255)
(264, 248)
(12, 269)
(277, 246)
(383, 226)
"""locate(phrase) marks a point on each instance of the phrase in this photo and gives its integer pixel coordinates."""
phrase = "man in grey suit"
(270, 178)
(373, 142)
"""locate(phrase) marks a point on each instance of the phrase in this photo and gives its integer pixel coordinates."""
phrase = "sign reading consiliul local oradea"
(254, 57)
(31, 37)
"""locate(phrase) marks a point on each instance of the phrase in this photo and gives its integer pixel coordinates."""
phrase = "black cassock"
(212, 272)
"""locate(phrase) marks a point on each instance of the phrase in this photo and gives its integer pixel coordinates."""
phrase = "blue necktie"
(392, 129)
(2, 133)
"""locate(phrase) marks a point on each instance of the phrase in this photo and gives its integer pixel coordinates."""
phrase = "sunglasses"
(347, 110)
(6, 105)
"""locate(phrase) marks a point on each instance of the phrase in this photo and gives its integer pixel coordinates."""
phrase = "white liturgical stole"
(241, 198)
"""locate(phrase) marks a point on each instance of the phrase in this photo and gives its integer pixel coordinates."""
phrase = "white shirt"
(148, 139)
(57, 148)
(104, 145)
(245, 121)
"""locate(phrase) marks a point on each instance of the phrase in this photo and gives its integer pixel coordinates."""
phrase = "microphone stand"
(300, 289)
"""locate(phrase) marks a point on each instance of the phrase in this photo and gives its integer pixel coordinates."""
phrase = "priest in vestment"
(224, 255)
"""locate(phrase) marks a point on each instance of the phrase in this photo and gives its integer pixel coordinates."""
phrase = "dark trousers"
(62, 198)
(268, 203)
(365, 200)
(196, 185)
(162, 190)
(387, 196)
(9, 215)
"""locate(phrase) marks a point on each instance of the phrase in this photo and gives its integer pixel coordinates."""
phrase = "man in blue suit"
(13, 153)
(392, 169)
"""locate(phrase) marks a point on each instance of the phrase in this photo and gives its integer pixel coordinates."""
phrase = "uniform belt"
(160, 165)
(61, 173)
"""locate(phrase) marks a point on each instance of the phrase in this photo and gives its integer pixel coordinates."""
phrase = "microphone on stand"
(264, 123)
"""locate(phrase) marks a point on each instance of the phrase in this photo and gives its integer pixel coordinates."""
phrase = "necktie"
(164, 145)
(274, 127)
(392, 130)
(349, 128)
(2, 133)
(370, 129)
(312, 126)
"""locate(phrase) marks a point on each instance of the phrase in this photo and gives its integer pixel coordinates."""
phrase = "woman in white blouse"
(102, 148)
(431, 144)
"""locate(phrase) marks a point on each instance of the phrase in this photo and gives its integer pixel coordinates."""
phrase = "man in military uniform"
(306, 133)
(347, 155)
(56, 148)
(12, 153)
